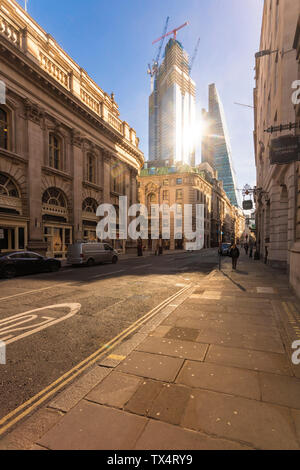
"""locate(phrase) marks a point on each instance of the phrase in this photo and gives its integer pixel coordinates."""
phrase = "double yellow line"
(27, 407)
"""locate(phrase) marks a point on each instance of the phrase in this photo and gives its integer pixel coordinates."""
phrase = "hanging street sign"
(285, 149)
(247, 205)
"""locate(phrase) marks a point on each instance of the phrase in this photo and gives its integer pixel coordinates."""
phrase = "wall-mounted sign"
(248, 205)
(285, 149)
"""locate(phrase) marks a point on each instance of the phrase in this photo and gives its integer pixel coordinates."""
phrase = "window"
(91, 168)
(54, 152)
(90, 205)
(3, 129)
(165, 195)
(179, 181)
(8, 187)
(54, 197)
(179, 194)
(166, 183)
(117, 179)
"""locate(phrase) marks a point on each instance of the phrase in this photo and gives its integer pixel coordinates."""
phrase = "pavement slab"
(170, 404)
(142, 400)
(253, 423)
(220, 378)
(89, 426)
(249, 359)
(226, 337)
(174, 348)
(153, 366)
(73, 394)
(115, 390)
(183, 334)
(280, 390)
(162, 436)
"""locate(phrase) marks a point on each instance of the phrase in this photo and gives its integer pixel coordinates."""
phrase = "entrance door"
(58, 240)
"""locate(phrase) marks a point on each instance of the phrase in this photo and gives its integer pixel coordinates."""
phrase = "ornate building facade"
(276, 194)
(63, 147)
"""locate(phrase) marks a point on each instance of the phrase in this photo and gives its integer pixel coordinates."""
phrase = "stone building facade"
(63, 147)
(295, 249)
(276, 71)
(187, 185)
(170, 185)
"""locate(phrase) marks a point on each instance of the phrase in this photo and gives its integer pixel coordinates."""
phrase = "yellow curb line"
(79, 368)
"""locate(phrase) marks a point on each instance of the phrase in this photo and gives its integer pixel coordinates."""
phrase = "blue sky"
(112, 41)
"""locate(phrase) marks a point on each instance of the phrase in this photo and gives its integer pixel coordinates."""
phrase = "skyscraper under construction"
(216, 148)
(172, 110)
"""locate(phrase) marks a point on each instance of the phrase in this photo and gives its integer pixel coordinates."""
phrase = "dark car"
(225, 249)
(17, 263)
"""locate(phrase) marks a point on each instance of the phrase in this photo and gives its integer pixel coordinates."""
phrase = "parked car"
(17, 263)
(225, 249)
(91, 253)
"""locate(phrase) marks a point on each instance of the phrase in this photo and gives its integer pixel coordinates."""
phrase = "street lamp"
(264, 53)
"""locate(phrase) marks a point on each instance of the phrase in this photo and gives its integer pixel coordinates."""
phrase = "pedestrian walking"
(246, 246)
(251, 250)
(234, 253)
(140, 247)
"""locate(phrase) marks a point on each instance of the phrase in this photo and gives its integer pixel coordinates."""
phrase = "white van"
(91, 253)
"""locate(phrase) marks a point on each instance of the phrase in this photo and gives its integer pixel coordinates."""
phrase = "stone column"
(35, 147)
(106, 177)
(77, 171)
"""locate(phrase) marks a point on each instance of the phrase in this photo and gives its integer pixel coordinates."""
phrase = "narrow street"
(110, 298)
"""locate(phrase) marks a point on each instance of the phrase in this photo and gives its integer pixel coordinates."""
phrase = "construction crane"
(152, 70)
(194, 55)
(174, 31)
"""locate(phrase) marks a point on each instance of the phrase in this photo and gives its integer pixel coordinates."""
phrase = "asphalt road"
(50, 322)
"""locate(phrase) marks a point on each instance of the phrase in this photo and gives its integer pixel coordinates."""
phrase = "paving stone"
(162, 330)
(28, 432)
(175, 348)
(153, 366)
(296, 418)
(170, 404)
(239, 325)
(89, 426)
(249, 359)
(141, 402)
(73, 394)
(220, 378)
(254, 423)
(163, 436)
(115, 390)
(226, 337)
(280, 390)
(183, 334)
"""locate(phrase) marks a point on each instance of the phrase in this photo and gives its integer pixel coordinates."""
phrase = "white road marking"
(10, 326)
(106, 274)
(29, 292)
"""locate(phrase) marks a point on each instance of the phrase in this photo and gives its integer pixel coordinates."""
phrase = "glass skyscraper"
(216, 149)
(172, 110)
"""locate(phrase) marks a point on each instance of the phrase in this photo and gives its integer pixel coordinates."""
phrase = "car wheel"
(90, 262)
(9, 272)
(54, 267)
(114, 260)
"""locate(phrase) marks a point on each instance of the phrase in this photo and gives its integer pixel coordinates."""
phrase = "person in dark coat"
(246, 246)
(140, 247)
(234, 253)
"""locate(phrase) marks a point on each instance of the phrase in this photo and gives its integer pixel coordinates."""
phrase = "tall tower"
(216, 148)
(172, 110)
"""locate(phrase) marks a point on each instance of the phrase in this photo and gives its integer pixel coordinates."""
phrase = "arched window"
(8, 187)
(90, 205)
(3, 129)
(54, 197)
(55, 160)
